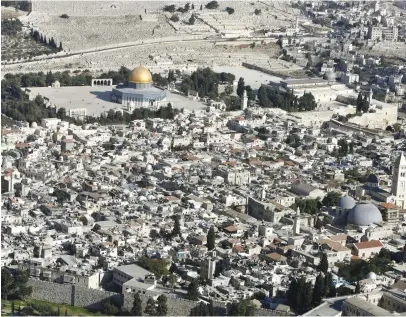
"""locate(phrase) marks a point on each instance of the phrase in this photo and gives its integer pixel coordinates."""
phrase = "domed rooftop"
(346, 202)
(140, 75)
(373, 178)
(371, 275)
(364, 215)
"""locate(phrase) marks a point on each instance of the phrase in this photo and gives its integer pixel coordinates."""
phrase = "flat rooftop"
(97, 99)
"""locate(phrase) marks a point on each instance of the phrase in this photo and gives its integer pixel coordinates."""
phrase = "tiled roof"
(368, 244)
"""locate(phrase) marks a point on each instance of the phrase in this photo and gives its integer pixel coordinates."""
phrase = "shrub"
(64, 16)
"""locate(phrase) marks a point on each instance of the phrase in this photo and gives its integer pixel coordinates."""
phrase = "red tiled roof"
(368, 244)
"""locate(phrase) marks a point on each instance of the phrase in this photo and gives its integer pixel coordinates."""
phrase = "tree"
(319, 290)
(12, 306)
(212, 5)
(170, 8)
(359, 103)
(192, 19)
(211, 239)
(323, 266)
(242, 308)
(201, 7)
(365, 105)
(84, 220)
(171, 76)
(60, 46)
(174, 18)
(66, 311)
(64, 16)
(109, 308)
(176, 227)
(14, 284)
(136, 310)
(150, 309)
(306, 296)
(61, 113)
(240, 87)
(331, 199)
(36, 251)
(357, 288)
(257, 12)
(58, 311)
(162, 306)
(193, 291)
(230, 10)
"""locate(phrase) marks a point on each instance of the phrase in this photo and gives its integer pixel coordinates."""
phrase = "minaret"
(297, 25)
(296, 224)
(263, 194)
(244, 101)
(399, 180)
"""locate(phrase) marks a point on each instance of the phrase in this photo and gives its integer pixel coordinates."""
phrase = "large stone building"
(139, 91)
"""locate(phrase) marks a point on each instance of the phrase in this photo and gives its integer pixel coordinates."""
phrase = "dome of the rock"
(140, 75)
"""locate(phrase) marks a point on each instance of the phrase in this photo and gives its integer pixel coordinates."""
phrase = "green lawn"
(72, 310)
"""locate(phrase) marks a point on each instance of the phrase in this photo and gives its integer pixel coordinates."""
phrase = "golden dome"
(140, 75)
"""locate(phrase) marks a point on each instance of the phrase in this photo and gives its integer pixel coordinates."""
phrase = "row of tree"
(43, 40)
(273, 97)
(152, 308)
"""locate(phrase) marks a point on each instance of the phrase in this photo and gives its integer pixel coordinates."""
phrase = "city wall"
(93, 299)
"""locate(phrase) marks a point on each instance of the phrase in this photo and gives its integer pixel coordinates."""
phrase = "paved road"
(113, 48)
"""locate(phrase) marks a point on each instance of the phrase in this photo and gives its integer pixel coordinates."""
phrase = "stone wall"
(93, 298)
(71, 294)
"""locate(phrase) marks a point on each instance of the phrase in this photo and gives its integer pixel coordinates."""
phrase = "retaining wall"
(93, 299)
(71, 294)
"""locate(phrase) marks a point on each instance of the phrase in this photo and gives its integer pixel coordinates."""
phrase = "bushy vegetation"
(212, 5)
(270, 97)
(11, 27)
(205, 82)
(359, 269)
(156, 266)
(14, 284)
(230, 10)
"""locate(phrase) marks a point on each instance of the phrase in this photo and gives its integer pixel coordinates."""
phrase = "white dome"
(371, 275)
(34, 125)
(364, 215)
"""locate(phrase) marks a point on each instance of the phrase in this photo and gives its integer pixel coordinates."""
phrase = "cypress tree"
(150, 309)
(211, 239)
(45, 40)
(176, 227)
(193, 291)
(240, 87)
(66, 312)
(136, 310)
(358, 288)
(323, 266)
(162, 307)
(318, 291)
(12, 306)
(365, 104)
(60, 46)
(41, 39)
(359, 103)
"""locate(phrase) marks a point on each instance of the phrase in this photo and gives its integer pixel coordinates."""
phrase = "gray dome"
(372, 178)
(364, 215)
(346, 202)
